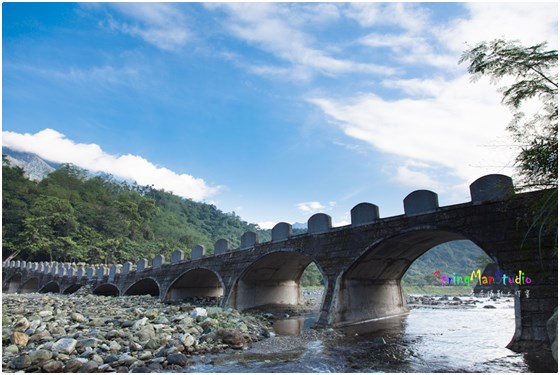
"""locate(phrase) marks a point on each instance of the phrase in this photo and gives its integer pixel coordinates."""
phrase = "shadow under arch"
(30, 286)
(51, 287)
(12, 284)
(371, 287)
(196, 282)
(72, 289)
(273, 279)
(106, 290)
(147, 286)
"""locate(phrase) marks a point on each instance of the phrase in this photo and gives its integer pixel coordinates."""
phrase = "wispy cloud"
(314, 206)
(54, 146)
(278, 29)
(439, 129)
(443, 121)
(160, 24)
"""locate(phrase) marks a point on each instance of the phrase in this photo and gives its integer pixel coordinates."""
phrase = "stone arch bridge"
(362, 263)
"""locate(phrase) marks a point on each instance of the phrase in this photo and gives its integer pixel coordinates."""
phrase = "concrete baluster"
(249, 239)
(281, 231)
(364, 213)
(319, 223)
(221, 247)
(177, 256)
(198, 252)
(127, 267)
(420, 201)
(141, 265)
(158, 261)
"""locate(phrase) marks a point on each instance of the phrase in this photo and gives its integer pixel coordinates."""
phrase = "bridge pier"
(363, 300)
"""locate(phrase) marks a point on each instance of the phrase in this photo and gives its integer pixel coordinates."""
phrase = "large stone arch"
(196, 282)
(106, 290)
(273, 279)
(146, 286)
(370, 288)
(30, 286)
(51, 287)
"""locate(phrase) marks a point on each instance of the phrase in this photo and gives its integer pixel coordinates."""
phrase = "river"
(464, 338)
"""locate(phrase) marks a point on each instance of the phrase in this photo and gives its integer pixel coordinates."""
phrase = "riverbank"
(89, 333)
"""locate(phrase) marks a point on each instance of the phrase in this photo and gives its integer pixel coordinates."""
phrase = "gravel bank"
(88, 333)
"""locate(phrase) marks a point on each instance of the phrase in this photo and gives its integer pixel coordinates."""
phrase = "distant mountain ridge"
(34, 167)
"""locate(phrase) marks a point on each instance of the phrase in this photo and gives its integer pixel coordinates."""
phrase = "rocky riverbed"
(89, 333)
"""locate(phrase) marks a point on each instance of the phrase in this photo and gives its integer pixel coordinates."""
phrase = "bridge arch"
(273, 279)
(12, 284)
(51, 287)
(371, 286)
(30, 286)
(196, 282)
(106, 290)
(146, 286)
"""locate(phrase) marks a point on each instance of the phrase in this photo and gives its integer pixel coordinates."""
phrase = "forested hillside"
(73, 216)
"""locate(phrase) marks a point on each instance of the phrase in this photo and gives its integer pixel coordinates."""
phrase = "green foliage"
(535, 72)
(312, 276)
(70, 216)
(461, 257)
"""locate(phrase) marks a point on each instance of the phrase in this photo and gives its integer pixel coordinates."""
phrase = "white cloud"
(407, 16)
(278, 29)
(310, 207)
(160, 24)
(54, 146)
(530, 23)
(452, 124)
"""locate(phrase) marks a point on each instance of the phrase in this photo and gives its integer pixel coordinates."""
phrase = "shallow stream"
(428, 339)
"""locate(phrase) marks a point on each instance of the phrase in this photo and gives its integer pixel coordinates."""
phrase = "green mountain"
(73, 216)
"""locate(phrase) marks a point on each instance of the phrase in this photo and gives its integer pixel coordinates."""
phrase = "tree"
(534, 70)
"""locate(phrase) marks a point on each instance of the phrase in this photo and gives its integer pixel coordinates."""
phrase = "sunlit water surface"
(428, 339)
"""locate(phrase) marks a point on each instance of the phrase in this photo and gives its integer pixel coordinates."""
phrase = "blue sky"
(275, 111)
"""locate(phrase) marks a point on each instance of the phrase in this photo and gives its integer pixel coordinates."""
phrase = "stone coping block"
(281, 231)
(420, 201)
(319, 223)
(364, 213)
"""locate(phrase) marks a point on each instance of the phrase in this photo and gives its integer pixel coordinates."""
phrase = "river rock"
(65, 345)
(489, 306)
(22, 325)
(41, 336)
(40, 355)
(21, 362)
(146, 333)
(73, 365)
(53, 366)
(89, 367)
(177, 359)
(19, 338)
(11, 349)
(199, 312)
(152, 314)
(231, 337)
(77, 317)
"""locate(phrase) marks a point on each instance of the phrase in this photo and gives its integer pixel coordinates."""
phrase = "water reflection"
(294, 326)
